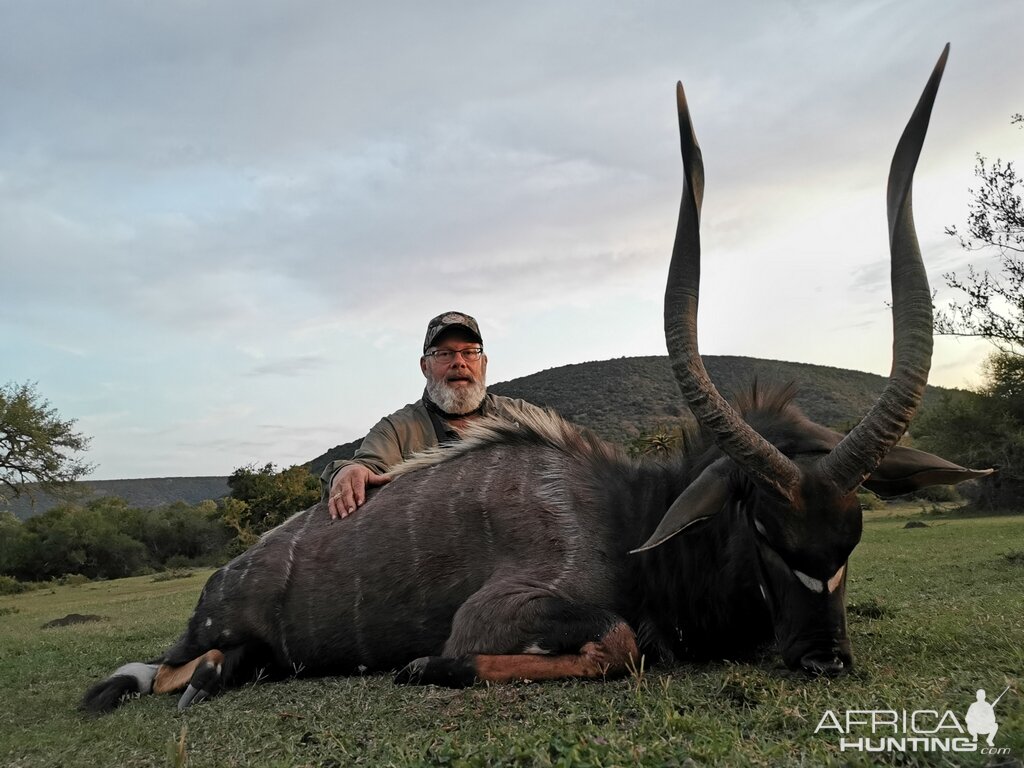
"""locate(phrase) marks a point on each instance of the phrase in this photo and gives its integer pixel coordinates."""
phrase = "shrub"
(938, 493)
(73, 579)
(11, 586)
(869, 501)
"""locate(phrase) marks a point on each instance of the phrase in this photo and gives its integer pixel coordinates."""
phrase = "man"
(455, 368)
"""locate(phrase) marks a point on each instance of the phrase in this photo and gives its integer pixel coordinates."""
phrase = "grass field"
(936, 613)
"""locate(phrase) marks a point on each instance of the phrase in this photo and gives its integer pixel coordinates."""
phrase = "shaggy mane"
(766, 398)
(543, 427)
(521, 426)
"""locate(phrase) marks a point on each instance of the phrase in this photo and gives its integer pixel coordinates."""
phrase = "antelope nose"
(824, 663)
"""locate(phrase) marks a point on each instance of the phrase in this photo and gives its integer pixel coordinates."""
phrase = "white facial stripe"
(812, 584)
(835, 581)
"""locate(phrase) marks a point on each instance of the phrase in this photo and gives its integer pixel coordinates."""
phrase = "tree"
(107, 538)
(1004, 380)
(35, 443)
(235, 514)
(986, 427)
(983, 429)
(994, 305)
(84, 540)
(175, 533)
(14, 541)
(270, 497)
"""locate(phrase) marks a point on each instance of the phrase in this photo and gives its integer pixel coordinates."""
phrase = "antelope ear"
(703, 498)
(904, 470)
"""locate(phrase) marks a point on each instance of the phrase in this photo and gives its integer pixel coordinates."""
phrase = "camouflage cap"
(448, 320)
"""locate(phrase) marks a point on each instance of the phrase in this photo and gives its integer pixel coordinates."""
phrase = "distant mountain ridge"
(618, 399)
(142, 494)
(621, 398)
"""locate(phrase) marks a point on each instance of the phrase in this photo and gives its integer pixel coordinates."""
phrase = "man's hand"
(348, 490)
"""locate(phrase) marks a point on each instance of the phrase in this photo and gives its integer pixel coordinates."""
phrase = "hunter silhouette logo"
(981, 717)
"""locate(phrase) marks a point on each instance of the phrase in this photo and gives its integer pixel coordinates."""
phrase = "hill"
(618, 399)
(142, 494)
(621, 398)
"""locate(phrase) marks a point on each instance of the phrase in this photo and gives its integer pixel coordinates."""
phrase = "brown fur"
(611, 656)
(176, 678)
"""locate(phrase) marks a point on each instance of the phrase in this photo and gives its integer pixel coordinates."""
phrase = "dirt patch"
(916, 524)
(73, 618)
(1016, 557)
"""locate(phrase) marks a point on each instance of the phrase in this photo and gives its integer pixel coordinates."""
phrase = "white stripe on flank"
(357, 621)
(288, 562)
(411, 523)
(285, 581)
(554, 500)
(482, 497)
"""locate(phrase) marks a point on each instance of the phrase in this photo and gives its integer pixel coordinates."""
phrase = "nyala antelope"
(538, 551)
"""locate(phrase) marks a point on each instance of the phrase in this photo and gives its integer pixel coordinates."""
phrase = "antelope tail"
(131, 680)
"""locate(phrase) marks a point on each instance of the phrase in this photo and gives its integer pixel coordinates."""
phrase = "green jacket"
(397, 437)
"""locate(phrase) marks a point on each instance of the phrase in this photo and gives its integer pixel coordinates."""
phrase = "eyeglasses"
(445, 356)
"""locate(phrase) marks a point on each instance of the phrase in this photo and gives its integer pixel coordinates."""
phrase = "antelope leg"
(204, 681)
(174, 677)
(612, 655)
(512, 630)
(199, 678)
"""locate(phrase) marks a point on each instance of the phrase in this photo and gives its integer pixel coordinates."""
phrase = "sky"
(224, 226)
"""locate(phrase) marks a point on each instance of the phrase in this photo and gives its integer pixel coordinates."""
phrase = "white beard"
(456, 401)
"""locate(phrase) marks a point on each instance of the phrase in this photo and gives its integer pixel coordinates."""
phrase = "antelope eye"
(766, 541)
(814, 585)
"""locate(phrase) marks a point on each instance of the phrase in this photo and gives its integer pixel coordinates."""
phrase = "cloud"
(216, 203)
(299, 365)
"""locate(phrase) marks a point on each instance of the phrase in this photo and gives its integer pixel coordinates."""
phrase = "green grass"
(937, 612)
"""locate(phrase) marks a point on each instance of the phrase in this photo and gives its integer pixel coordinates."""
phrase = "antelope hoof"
(204, 681)
(192, 695)
(438, 670)
(824, 665)
(412, 673)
